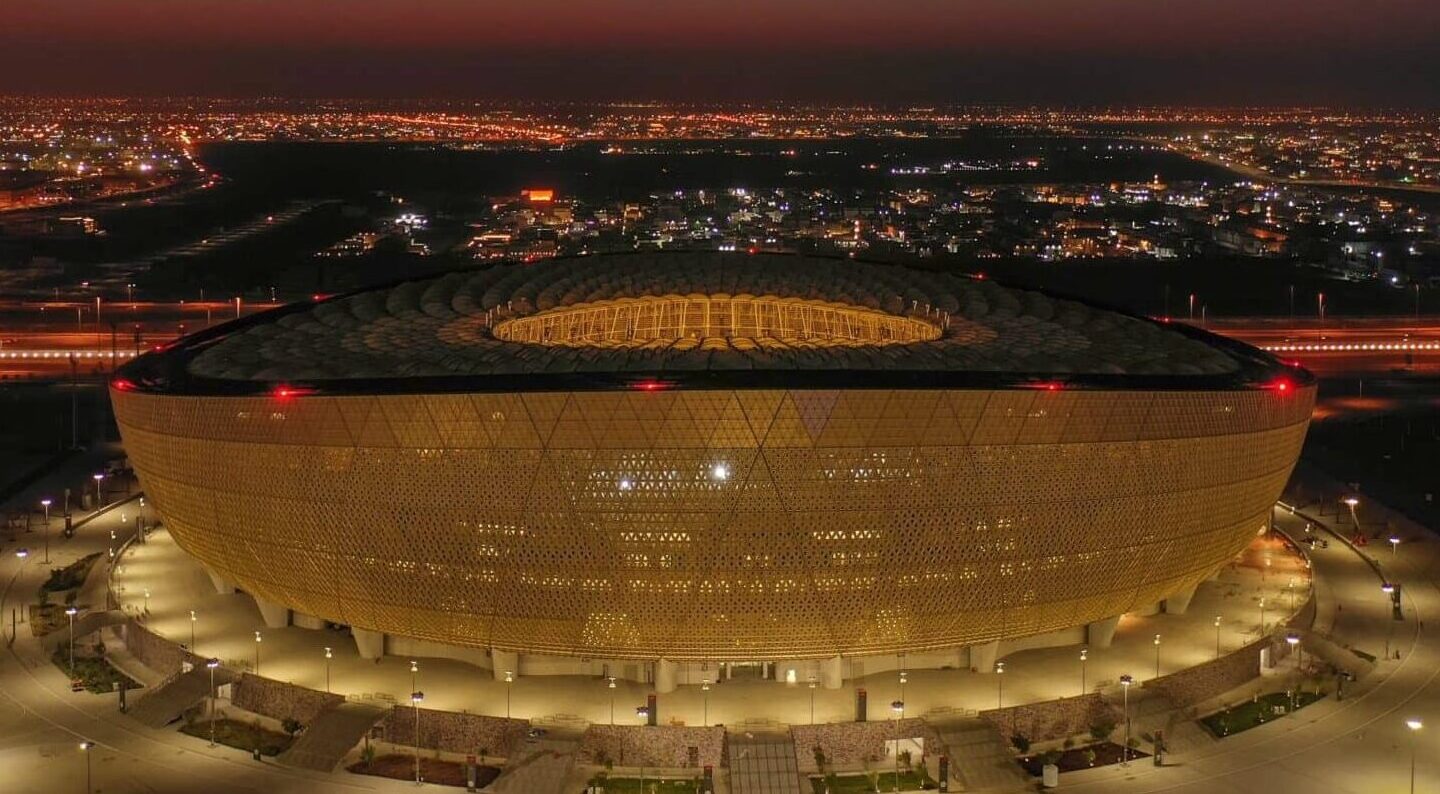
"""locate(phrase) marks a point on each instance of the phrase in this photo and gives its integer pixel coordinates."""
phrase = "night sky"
(1228, 52)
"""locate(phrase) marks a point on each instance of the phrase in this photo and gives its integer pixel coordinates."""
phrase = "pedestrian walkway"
(541, 766)
(980, 758)
(763, 763)
(331, 736)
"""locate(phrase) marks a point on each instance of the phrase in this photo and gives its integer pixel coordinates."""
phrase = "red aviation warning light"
(651, 385)
(285, 392)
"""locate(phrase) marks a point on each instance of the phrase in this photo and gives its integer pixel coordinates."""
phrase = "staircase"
(762, 762)
(331, 736)
(166, 703)
(980, 758)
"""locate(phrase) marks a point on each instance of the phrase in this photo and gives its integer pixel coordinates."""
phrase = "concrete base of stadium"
(1037, 668)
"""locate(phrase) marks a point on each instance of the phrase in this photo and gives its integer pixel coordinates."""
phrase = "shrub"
(1101, 731)
(1021, 742)
(291, 725)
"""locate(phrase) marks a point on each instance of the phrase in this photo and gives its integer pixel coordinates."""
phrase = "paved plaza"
(1357, 745)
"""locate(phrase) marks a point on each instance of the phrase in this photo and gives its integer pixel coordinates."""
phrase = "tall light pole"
(192, 631)
(1262, 617)
(1157, 655)
(1084, 655)
(1217, 636)
(99, 498)
(87, 745)
(612, 700)
(327, 669)
(1125, 682)
(705, 707)
(416, 698)
(1414, 724)
(257, 652)
(1353, 503)
(414, 672)
(70, 614)
(812, 699)
(898, 707)
(509, 682)
(45, 503)
(212, 663)
(999, 685)
(1293, 640)
(1394, 545)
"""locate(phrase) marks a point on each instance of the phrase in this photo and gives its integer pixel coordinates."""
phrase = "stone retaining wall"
(659, 746)
(1218, 676)
(1052, 719)
(453, 732)
(279, 700)
(853, 743)
(154, 651)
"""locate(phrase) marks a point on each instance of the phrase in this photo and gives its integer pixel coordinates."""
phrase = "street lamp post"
(1394, 546)
(812, 700)
(1262, 617)
(1157, 655)
(147, 601)
(86, 746)
(1414, 724)
(327, 669)
(509, 681)
(192, 631)
(705, 705)
(898, 707)
(212, 664)
(45, 503)
(99, 497)
(1293, 640)
(70, 614)
(1125, 682)
(612, 700)
(20, 554)
(1084, 655)
(414, 672)
(257, 652)
(416, 698)
(999, 685)
(1389, 590)
(1217, 636)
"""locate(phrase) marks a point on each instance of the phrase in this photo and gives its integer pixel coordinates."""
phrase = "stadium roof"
(712, 318)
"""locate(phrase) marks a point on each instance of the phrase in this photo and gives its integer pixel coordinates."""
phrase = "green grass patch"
(240, 735)
(1245, 716)
(861, 784)
(633, 785)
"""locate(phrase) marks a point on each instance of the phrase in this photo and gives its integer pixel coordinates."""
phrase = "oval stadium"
(688, 458)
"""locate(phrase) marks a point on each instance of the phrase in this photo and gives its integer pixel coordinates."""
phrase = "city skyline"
(1049, 52)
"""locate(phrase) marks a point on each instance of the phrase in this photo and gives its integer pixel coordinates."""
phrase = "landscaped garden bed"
(1077, 758)
(71, 576)
(241, 735)
(634, 785)
(1259, 711)
(440, 772)
(869, 783)
(94, 673)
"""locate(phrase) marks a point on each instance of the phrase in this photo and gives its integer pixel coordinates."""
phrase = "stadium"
(696, 459)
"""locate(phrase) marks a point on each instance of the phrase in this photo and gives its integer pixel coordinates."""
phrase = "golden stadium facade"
(710, 457)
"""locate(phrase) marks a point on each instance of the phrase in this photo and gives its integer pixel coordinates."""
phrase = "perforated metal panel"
(724, 524)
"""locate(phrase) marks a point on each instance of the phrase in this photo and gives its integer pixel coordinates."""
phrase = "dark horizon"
(1048, 52)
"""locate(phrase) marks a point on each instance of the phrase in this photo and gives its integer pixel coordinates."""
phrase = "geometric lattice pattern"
(719, 321)
(722, 524)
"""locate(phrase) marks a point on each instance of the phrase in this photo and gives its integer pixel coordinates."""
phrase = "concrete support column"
(504, 661)
(275, 615)
(983, 657)
(305, 621)
(370, 644)
(665, 671)
(1102, 632)
(832, 675)
(222, 586)
(1177, 603)
(1148, 610)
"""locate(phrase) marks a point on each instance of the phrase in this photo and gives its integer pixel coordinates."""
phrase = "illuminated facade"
(769, 491)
